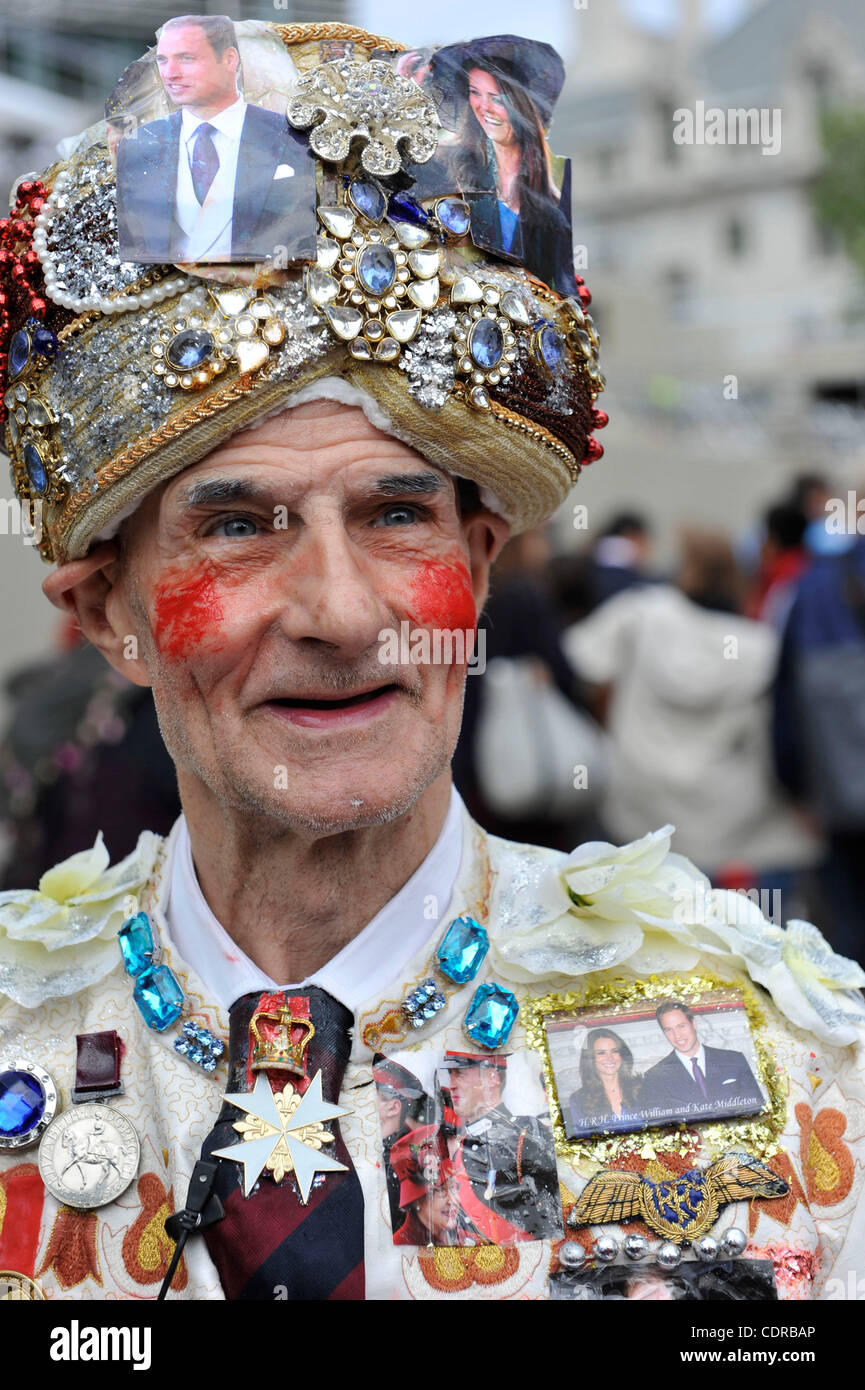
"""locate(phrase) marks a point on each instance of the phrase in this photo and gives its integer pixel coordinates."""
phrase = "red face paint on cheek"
(186, 610)
(442, 597)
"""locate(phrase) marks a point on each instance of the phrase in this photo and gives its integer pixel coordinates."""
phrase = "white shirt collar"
(360, 971)
(699, 1057)
(229, 121)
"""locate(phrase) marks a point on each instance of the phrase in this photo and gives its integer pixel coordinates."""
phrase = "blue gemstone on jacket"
(158, 996)
(402, 207)
(463, 947)
(22, 1103)
(136, 943)
(491, 1016)
(376, 270)
(368, 199)
(486, 344)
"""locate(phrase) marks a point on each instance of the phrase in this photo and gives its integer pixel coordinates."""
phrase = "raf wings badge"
(678, 1209)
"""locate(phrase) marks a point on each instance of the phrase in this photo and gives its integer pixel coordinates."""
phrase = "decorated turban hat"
(158, 297)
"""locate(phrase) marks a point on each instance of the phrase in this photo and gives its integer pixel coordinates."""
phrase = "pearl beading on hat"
(118, 304)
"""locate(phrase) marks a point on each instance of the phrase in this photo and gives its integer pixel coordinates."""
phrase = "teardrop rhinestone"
(321, 287)
(37, 413)
(403, 324)
(550, 348)
(376, 269)
(232, 302)
(361, 349)
(479, 398)
(387, 351)
(425, 264)
(36, 470)
(328, 252)
(345, 321)
(367, 198)
(466, 291)
(251, 354)
(409, 236)
(454, 214)
(424, 293)
(486, 344)
(273, 332)
(338, 221)
(19, 352)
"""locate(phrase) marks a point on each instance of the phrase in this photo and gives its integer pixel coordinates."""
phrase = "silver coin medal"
(90, 1153)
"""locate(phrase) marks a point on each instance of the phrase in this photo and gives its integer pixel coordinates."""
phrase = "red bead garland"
(22, 283)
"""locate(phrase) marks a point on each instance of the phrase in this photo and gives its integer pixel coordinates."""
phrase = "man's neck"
(210, 109)
(290, 902)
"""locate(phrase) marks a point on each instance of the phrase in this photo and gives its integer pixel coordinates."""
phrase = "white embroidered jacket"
(555, 923)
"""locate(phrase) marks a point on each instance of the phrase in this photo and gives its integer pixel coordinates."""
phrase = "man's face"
(190, 70)
(258, 582)
(680, 1031)
(474, 1091)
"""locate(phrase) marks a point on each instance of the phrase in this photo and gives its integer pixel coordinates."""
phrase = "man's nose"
(331, 592)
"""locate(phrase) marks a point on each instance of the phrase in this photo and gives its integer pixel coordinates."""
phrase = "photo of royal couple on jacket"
(692, 1081)
(495, 98)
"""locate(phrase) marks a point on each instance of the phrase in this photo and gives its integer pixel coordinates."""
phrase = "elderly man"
(248, 485)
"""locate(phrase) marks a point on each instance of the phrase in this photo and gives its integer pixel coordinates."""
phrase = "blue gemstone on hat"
(454, 215)
(189, 349)
(486, 344)
(491, 1015)
(551, 346)
(44, 341)
(19, 352)
(158, 996)
(136, 944)
(22, 1104)
(368, 199)
(376, 269)
(402, 207)
(36, 470)
(463, 947)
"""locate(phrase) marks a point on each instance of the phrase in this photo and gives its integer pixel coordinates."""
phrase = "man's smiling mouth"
(344, 702)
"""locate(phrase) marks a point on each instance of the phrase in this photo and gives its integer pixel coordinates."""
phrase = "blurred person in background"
(819, 727)
(684, 679)
(617, 560)
(783, 560)
(523, 637)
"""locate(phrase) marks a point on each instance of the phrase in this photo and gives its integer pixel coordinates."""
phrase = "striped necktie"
(270, 1245)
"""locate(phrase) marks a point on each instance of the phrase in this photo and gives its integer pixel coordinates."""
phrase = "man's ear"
(89, 588)
(486, 533)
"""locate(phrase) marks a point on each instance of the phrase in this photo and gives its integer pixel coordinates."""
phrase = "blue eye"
(399, 516)
(236, 528)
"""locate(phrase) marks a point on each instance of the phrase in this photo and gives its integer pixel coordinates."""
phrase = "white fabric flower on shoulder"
(60, 938)
(649, 911)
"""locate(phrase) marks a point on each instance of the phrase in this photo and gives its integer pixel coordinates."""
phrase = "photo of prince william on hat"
(219, 179)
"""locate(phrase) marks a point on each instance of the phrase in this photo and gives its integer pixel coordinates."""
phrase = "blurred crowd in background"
(724, 696)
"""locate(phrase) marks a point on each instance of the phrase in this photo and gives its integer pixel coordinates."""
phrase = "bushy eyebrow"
(414, 484)
(219, 491)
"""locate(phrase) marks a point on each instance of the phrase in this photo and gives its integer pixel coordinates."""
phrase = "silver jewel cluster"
(344, 100)
(75, 238)
(85, 382)
(428, 360)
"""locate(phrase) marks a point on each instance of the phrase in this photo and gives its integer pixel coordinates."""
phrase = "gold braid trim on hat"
(517, 422)
(308, 33)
